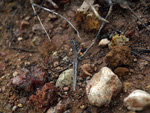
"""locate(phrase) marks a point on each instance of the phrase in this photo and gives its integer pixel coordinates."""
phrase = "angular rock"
(45, 97)
(86, 18)
(118, 56)
(28, 80)
(103, 86)
(65, 78)
(137, 100)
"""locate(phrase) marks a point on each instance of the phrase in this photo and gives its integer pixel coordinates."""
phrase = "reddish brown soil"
(61, 33)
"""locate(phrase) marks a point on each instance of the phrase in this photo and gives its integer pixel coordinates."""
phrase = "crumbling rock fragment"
(28, 80)
(118, 40)
(118, 56)
(45, 97)
(86, 19)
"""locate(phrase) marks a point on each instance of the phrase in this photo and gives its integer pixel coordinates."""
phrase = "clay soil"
(11, 16)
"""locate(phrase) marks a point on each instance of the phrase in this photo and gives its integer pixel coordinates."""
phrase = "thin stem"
(140, 56)
(51, 11)
(40, 22)
(96, 37)
(53, 4)
(96, 13)
(138, 18)
(75, 64)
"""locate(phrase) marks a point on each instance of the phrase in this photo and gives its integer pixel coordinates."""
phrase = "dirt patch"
(17, 52)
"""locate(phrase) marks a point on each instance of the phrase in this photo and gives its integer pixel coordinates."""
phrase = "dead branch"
(53, 4)
(51, 11)
(65, 68)
(75, 64)
(128, 7)
(133, 52)
(96, 13)
(39, 20)
(96, 37)
(43, 62)
(22, 49)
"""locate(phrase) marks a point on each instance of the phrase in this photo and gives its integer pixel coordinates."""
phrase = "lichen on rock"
(86, 19)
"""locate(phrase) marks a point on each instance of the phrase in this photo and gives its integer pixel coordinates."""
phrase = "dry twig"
(96, 13)
(96, 37)
(125, 4)
(22, 49)
(53, 4)
(133, 52)
(31, 1)
(138, 18)
(75, 64)
(43, 62)
(51, 11)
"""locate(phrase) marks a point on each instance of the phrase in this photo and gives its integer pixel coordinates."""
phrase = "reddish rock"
(130, 33)
(45, 97)
(28, 80)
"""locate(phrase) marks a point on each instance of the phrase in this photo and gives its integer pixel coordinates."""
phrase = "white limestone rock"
(103, 86)
(137, 100)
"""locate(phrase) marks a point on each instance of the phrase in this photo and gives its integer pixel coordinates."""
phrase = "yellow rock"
(118, 40)
(148, 86)
(20, 105)
(86, 19)
(126, 86)
(135, 60)
(36, 41)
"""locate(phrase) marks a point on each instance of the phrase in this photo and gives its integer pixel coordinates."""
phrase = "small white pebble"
(20, 105)
(14, 108)
(66, 89)
(20, 38)
(15, 73)
(103, 42)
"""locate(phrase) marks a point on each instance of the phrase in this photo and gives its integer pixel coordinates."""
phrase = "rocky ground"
(31, 65)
